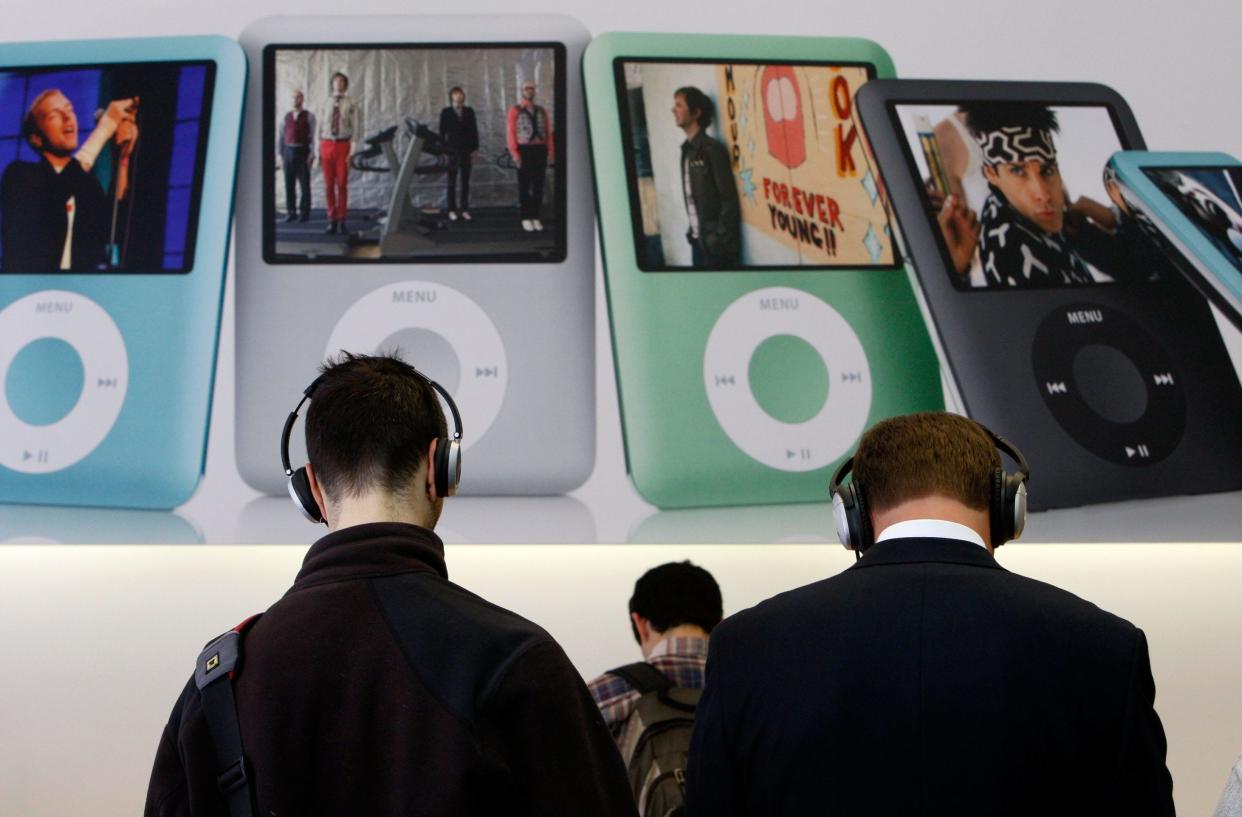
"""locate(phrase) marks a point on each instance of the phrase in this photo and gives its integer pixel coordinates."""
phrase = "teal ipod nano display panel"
(761, 316)
(117, 163)
(1192, 204)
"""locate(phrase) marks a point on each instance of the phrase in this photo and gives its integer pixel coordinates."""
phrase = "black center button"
(1111, 385)
(1108, 384)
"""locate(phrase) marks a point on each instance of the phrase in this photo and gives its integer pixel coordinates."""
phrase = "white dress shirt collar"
(930, 529)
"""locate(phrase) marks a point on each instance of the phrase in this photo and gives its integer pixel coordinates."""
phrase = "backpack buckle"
(233, 778)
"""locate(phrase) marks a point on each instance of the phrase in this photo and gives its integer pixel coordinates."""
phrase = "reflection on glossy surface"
(545, 520)
(54, 525)
(1205, 518)
(785, 524)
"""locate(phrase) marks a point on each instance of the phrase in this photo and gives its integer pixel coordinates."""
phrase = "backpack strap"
(643, 677)
(217, 664)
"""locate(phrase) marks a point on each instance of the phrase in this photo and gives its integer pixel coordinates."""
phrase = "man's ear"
(642, 627)
(35, 140)
(317, 492)
(431, 470)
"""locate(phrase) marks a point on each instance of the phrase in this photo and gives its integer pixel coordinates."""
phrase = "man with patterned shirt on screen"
(673, 610)
(1026, 237)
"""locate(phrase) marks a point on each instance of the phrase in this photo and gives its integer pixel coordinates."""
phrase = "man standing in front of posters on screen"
(707, 184)
(460, 132)
(337, 126)
(532, 146)
(926, 679)
(54, 213)
(294, 143)
(375, 686)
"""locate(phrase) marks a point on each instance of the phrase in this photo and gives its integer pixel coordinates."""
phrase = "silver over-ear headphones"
(1006, 513)
(447, 460)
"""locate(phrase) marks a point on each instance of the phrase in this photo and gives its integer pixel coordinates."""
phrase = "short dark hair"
(696, 100)
(925, 454)
(332, 81)
(677, 593)
(30, 122)
(456, 89)
(985, 117)
(370, 421)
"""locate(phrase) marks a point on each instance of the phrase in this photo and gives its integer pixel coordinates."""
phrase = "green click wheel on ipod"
(761, 316)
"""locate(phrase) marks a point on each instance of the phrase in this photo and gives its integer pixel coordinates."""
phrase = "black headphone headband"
(1006, 447)
(448, 452)
(1007, 511)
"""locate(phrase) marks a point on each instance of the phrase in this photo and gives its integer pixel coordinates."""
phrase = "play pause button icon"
(1140, 451)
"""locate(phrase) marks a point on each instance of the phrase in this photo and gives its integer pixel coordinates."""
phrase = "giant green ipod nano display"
(761, 318)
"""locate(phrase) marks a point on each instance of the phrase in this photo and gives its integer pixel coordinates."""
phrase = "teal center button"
(44, 381)
(788, 378)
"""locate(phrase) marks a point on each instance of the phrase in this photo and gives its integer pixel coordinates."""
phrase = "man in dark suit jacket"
(459, 130)
(926, 679)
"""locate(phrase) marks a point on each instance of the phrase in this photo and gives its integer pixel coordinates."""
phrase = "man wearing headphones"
(926, 679)
(375, 685)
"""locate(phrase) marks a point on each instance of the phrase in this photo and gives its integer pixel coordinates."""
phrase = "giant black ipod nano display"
(1059, 326)
(420, 185)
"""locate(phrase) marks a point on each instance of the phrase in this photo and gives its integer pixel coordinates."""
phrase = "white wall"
(100, 640)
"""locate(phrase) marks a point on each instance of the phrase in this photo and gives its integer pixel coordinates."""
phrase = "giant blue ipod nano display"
(117, 162)
(1193, 204)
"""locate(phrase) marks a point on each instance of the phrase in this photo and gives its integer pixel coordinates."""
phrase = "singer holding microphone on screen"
(55, 213)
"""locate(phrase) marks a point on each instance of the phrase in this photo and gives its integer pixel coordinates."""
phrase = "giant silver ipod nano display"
(419, 185)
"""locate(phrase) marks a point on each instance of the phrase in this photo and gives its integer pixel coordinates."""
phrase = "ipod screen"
(746, 165)
(1211, 199)
(101, 166)
(1020, 198)
(408, 153)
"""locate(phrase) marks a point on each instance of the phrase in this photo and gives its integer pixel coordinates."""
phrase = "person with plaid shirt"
(673, 610)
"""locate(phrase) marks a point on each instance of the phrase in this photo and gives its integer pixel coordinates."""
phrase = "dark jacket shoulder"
(472, 645)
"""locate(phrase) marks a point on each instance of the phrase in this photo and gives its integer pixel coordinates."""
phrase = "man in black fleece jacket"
(375, 686)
